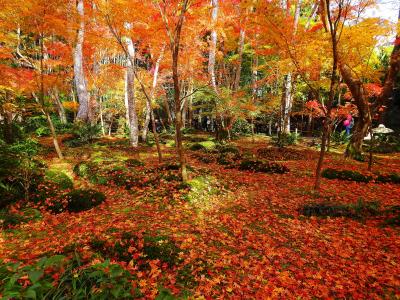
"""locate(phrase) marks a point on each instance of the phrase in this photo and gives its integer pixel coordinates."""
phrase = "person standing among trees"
(348, 123)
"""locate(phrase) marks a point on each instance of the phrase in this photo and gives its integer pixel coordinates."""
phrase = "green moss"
(80, 200)
(201, 188)
(60, 178)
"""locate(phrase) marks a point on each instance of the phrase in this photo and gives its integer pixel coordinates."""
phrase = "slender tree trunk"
(60, 107)
(167, 110)
(240, 53)
(79, 75)
(152, 92)
(287, 100)
(40, 101)
(333, 81)
(103, 130)
(213, 46)
(54, 135)
(130, 95)
(175, 38)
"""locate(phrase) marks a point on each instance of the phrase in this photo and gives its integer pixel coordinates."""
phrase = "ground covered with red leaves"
(239, 235)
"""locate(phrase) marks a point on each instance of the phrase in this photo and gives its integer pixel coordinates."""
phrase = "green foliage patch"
(263, 167)
(345, 175)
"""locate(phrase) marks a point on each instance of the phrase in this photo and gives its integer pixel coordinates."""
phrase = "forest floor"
(229, 233)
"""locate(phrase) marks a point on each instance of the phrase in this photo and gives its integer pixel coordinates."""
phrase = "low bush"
(57, 278)
(264, 167)
(197, 147)
(340, 138)
(188, 130)
(388, 178)
(349, 175)
(81, 199)
(241, 127)
(360, 210)
(90, 171)
(286, 139)
(83, 134)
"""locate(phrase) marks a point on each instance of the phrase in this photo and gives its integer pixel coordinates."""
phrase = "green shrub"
(56, 278)
(227, 148)
(197, 147)
(345, 175)
(388, 178)
(90, 171)
(286, 139)
(60, 178)
(81, 199)
(188, 130)
(85, 169)
(360, 210)
(83, 133)
(241, 127)
(340, 138)
(38, 282)
(264, 167)
(20, 170)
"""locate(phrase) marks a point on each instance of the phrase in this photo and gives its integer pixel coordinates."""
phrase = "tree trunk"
(60, 107)
(332, 89)
(213, 45)
(54, 135)
(152, 92)
(354, 149)
(167, 110)
(385, 97)
(240, 53)
(103, 130)
(79, 75)
(287, 101)
(175, 45)
(130, 95)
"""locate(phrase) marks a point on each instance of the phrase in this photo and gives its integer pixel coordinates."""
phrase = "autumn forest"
(200, 149)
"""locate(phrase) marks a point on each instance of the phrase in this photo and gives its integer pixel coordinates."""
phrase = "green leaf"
(30, 293)
(35, 275)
